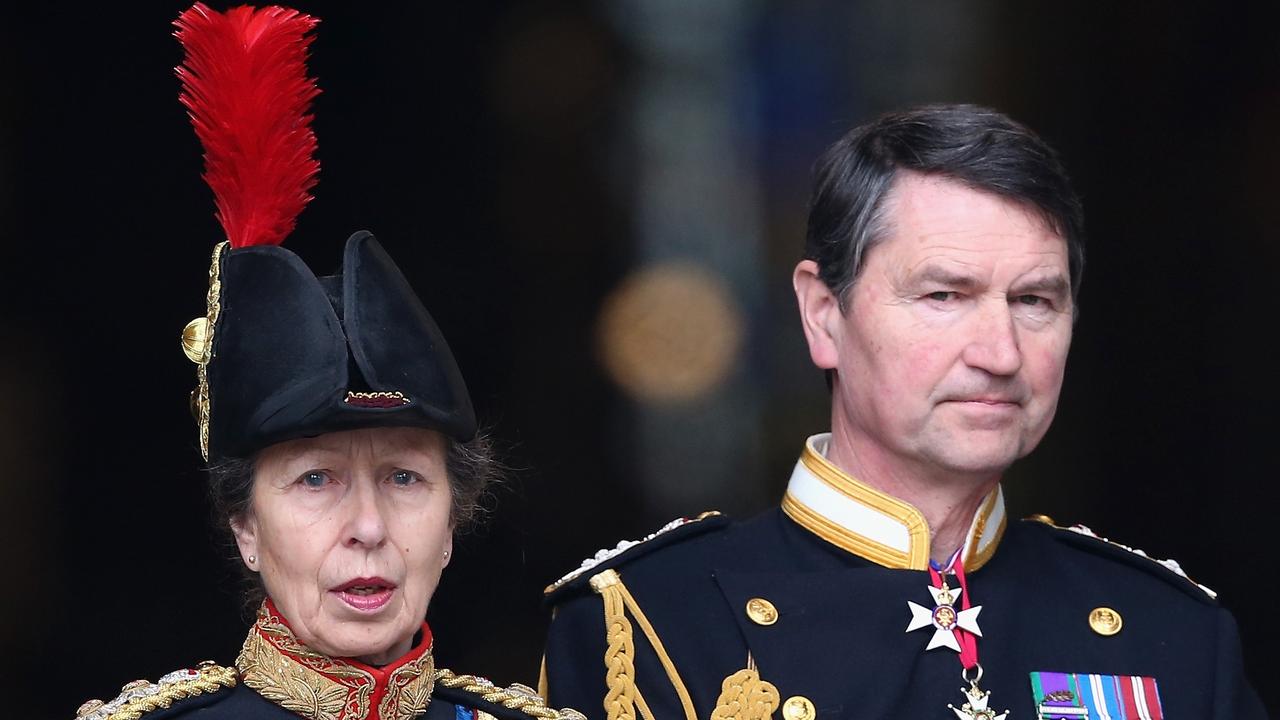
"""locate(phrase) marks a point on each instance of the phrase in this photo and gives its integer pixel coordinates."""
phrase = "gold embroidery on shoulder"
(140, 697)
(514, 697)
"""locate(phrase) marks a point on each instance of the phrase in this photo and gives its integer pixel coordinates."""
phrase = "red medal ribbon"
(968, 641)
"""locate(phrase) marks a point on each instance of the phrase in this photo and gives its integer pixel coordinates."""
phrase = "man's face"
(951, 353)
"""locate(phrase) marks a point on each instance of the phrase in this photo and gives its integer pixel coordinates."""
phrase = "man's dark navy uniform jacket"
(813, 597)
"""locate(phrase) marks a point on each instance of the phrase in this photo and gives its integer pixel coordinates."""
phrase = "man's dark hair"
(978, 147)
(472, 468)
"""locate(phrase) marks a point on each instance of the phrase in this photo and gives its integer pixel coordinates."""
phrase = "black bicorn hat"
(280, 352)
(294, 355)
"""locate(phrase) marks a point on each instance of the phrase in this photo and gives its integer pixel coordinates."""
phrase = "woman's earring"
(254, 558)
(446, 554)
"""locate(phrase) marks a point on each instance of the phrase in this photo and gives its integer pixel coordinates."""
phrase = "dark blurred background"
(601, 204)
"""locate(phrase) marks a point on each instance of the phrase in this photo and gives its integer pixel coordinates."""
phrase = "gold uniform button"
(798, 707)
(1105, 621)
(761, 611)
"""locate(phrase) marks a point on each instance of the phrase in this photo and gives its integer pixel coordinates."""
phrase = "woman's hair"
(472, 467)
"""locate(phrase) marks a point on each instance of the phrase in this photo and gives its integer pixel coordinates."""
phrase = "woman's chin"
(378, 647)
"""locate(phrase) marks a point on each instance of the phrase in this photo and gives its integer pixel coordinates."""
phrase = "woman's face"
(350, 531)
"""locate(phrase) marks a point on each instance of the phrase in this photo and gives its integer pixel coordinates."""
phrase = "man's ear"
(820, 315)
(245, 530)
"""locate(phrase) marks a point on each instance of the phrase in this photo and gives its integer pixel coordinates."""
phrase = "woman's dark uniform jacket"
(446, 703)
(826, 626)
(276, 677)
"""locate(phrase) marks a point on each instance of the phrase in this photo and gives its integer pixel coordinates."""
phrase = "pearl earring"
(446, 554)
(253, 559)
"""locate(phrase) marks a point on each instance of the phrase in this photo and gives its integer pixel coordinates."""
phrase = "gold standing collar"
(318, 687)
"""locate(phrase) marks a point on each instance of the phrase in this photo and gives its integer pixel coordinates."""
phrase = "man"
(938, 290)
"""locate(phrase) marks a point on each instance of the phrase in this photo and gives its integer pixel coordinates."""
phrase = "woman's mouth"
(365, 594)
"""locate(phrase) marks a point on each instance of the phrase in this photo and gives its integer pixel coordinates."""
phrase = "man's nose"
(993, 346)
(366, 520)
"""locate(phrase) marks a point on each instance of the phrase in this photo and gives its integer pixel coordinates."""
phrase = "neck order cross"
(954, 620)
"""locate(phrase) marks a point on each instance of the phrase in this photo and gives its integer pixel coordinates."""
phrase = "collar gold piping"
(916, 557)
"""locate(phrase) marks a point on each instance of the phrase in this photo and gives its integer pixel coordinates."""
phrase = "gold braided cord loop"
(623, 697)
(744, 696)
(619, 656)
(667, 664)
(514, 697)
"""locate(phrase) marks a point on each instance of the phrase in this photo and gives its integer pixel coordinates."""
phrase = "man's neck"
(948, 501)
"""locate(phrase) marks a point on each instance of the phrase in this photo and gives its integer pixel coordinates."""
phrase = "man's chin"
(978, 458)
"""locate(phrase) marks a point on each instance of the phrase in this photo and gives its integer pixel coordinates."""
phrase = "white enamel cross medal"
(944, 618)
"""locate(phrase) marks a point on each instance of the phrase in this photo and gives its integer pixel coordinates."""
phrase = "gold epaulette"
(604, 556)
(623, 700)
(1170, 565)
(140, 696)
(514, 697)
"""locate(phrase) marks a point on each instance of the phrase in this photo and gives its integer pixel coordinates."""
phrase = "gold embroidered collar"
(854, 516)
(319, 687)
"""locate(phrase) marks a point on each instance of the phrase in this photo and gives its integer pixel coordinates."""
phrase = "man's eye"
(1031, 300)
(404, 477)
(942, 295)
(314, 479)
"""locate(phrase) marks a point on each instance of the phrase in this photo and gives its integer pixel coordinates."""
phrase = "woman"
(341, 440)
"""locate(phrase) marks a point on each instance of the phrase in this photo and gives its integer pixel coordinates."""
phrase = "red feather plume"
(245, 87)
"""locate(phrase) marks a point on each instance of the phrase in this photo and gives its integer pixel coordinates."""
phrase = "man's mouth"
(987, 400)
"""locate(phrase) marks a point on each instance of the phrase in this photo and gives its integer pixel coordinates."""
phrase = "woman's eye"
(314, 479)
(403, 477)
